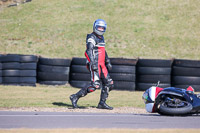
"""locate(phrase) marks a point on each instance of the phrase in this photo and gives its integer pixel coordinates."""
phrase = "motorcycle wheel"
(182, 108)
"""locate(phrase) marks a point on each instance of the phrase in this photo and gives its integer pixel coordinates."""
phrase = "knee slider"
(90, 89)
(96, 85)
(93, 87)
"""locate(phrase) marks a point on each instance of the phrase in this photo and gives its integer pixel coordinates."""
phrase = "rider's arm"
(107, 60)
(89, 49)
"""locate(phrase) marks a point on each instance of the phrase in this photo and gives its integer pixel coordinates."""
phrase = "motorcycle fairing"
(176, 92)
(153, 92)
(190, 88)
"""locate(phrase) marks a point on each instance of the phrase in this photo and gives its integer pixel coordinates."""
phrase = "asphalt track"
(12, 119)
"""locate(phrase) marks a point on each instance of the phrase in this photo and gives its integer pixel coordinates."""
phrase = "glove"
(109, 66)
(88, 66)
(94, 67)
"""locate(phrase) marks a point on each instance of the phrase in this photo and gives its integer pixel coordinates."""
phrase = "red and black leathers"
(97, 58)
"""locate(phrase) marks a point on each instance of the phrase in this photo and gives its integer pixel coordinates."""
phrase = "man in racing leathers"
(98, 64)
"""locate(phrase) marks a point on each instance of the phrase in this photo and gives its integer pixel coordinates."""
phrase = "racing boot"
(74, 97)
(104, 95)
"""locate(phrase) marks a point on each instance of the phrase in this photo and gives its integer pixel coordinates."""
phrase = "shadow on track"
(69, 106)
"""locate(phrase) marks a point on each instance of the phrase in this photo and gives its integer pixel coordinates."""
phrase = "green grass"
(58, 96)
(136, 28)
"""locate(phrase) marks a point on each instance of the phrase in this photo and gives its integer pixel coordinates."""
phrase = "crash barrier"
(123, 73)
(128, 74)
(186, 73)
(150, 71)
(18, 69)
(53, 71)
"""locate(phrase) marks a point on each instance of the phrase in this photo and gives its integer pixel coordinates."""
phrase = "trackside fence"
(127, 74)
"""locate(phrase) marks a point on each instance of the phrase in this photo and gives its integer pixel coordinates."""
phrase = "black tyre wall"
(145, 86)
(78, 61)
(123, 72)
(53, 71)
(52, 76)
(115, 69)
(186, 63)
(54, 61)
(56, 69)
(19, 69)
(150, 71)
(79, 84)
(28, 58)
(79, 74)
(10, 58)
(53, 82)
(186, 73)
(0, 70)
(79, 69)
(123, 61)
(154, 70)
(28, 66)
(15, 68)
(0, 66)
(11, 65)
(118, 85)
(154, 63)
(114, 76)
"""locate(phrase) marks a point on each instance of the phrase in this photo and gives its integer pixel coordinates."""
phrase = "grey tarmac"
(50, 120)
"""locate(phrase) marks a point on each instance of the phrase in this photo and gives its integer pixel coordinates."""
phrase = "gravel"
(86, 110)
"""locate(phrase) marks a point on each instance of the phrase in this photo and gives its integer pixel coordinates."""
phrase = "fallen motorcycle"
(171, 101)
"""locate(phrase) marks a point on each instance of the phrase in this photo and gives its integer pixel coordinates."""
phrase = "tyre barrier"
(127, 74)
(18, 69)
(0, 70)
(150, 71)
(122, 73)
(53, 71)
(186, 73)
(78, 68)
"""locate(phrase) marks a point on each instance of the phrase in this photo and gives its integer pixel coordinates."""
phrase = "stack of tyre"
(53, 71)
(150, 71)
(79, 74)
(19, 69)
(0, 70)
(122, 73)
(186, 73)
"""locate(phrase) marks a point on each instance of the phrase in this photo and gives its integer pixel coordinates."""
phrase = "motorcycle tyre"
(163, 110)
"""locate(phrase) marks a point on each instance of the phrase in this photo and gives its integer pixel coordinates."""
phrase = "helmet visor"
(101, 28)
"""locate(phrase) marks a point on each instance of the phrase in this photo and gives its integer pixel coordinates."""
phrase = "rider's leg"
(104, 95)
(83, 92)
(95, 84)
(74, 97)
(106, 88)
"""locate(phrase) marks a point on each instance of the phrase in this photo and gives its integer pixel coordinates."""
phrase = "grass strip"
(58, 97)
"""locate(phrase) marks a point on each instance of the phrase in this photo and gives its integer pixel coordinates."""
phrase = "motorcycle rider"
(98, 64)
